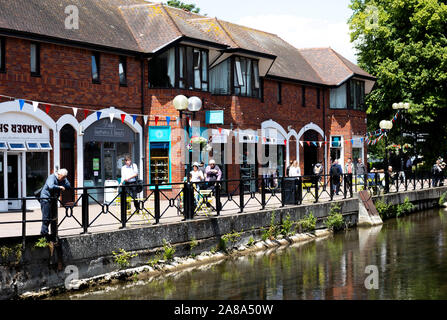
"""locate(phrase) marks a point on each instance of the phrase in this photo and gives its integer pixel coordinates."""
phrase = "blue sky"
(304, 24)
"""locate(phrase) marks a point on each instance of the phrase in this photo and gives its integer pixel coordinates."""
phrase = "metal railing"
(124, 205)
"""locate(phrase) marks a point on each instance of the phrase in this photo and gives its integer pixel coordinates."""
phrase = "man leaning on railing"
(55, 183)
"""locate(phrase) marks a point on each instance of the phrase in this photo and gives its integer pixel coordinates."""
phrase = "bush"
(229, 237)
(287, 225)
(335, 220)
(404, 208)
(169, 251)
(308, 223)
(384, 209)
(442, 199)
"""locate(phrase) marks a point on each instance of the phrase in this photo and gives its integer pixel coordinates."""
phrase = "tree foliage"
(403, 43)
(181, 5)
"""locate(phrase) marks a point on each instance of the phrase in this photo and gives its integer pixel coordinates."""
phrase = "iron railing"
(99, 208)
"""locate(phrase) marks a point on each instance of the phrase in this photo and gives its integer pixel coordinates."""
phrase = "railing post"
(331, 185)
(387, 182)
(263, 193)
(350, 185)
(217, 194)
(54, 219)
(157, 203)
(186, 201)
(23, 223)
(123, 198)
(414, 179)
(406, 181)
(317, 195)
(376, 183)
(85, 211)
(300, 190)
(241, 195)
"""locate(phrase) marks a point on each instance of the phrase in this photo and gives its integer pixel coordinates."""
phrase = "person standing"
(288, 168)
(360, 170)
(335, 173)
(294, 170)
(129, 175)
(212, 173)
(437, 173)
(349, 170)
(54, 185)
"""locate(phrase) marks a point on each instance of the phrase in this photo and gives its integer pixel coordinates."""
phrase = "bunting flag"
(264, 139)
(220, 130)
(145, 119)
(352, 141)
(123, 117)
(111, 116)
(285, 142)
(98, 114)
(21, 103)
(35, 105)
(314, 143)
(308, 143)
(156, 121)
(301, 143)
(320, 143)
(85, 113)
(75, 111)
(47, 108)
(134, 117)
(168, 119)
(178, 121)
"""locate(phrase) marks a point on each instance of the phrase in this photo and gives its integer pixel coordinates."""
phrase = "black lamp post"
(401, 107)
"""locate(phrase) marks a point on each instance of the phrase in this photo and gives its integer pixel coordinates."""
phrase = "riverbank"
(91, 256)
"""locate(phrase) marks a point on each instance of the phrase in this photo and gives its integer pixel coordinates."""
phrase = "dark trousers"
(46, 217)
(131, 190)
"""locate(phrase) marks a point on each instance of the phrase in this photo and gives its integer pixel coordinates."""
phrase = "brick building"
(131, 58)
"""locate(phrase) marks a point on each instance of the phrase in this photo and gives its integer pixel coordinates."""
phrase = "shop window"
(35, 59)
(2, 55)
(96, 68)
(36, 171)
(17, 146)
(336, 145)
(2, 176)
(122, 71)
(159, 162)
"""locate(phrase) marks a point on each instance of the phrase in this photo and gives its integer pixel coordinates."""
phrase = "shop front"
(160, 156)
(106, 144)
(24, 158)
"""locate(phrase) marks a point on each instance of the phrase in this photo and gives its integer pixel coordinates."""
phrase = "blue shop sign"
(160, 133)
(214, 117)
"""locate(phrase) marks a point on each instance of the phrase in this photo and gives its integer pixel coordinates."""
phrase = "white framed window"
(3, 145)
(33, 146)
(45, 146)
(17, 146)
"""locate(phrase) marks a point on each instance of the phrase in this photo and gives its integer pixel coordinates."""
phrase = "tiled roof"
(332, 68)
(100, 21)
(141, 26)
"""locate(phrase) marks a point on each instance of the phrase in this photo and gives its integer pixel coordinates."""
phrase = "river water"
(409, 255)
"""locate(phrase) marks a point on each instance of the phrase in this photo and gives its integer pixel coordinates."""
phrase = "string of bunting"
(85, 111)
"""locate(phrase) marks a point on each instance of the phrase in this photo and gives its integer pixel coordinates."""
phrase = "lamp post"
(386, 125)
(188, 107)
(401, 106)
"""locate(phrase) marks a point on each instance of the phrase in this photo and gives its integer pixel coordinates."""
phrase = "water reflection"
(409, 253)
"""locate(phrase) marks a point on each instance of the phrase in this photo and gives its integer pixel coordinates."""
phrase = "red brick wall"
(66, 79)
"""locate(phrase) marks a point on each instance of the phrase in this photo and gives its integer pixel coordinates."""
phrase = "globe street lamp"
(401, 106)
(386, 125)
(188, 107)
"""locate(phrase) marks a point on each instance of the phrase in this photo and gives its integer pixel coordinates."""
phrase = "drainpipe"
(143, 156)
(324, 131)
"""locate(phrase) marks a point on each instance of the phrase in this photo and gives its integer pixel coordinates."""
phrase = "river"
(409, 255)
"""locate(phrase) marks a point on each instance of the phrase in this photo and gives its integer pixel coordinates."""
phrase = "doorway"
(67, 161)
(14, 173)
(310, 151)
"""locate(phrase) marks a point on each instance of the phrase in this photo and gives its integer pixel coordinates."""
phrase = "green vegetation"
(168, 250)
(404, 208)
(287, 225)
(194, 243)
(335, 220)
(6, 252)
(251, 241)
(41, 243)
(387, 210)
(442, 198)
(122, 258)
(229, 237)
(152, 262)
(181, 5)
(308, 223)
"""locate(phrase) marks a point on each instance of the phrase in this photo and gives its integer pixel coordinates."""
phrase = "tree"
(403, 43)
(178, 4)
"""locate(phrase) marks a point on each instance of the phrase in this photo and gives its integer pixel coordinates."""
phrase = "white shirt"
(127, 172)
(196, 176)
(294, 171)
